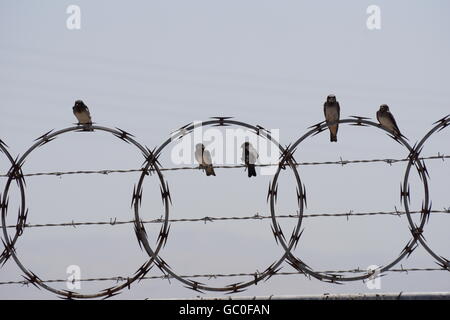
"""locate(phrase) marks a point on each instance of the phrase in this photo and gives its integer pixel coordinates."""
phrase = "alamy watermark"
(374, 281)
(73, 22)
(73, 280)
(374, 19)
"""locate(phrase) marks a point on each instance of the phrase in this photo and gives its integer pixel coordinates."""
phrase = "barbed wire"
(115, 222)
(15, 174)
(152, 165)
(226, 275)
(341, 162)
(416, 230)
(218, 275)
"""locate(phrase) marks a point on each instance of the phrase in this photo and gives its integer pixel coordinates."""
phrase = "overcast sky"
(149, 67)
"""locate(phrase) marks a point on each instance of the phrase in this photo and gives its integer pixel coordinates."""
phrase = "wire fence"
(152, 165)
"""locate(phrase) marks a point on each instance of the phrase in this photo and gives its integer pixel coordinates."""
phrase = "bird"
(249, 156)
(203, 157)
(331, 109)
(81, 112)
(387, 120)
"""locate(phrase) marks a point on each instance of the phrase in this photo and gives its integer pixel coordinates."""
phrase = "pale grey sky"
(149, 67)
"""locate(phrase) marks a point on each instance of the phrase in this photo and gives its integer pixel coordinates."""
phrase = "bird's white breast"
(83, 117)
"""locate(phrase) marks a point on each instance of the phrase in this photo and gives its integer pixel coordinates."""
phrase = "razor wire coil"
(152, 166)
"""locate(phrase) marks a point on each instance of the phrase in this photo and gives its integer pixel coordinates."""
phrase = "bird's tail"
(333, 133)
(333, 137)
(397, 132)
(210, 170)
(251, 170)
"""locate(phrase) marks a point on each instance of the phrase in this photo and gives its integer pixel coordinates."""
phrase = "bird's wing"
(378, 116)
(394, 123)
(88, 114)
(207, 157)
(243, 154)
(338, 110)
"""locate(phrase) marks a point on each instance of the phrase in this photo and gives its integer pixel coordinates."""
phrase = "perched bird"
(203, 157)
(332, 111)
(81, 111)
(249, 156)
(386, 119)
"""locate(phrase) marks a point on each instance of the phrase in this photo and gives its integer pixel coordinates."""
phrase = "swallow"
(249, 156)
(387, 120)
(332, 110)
(81, 112)
(203, 157)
